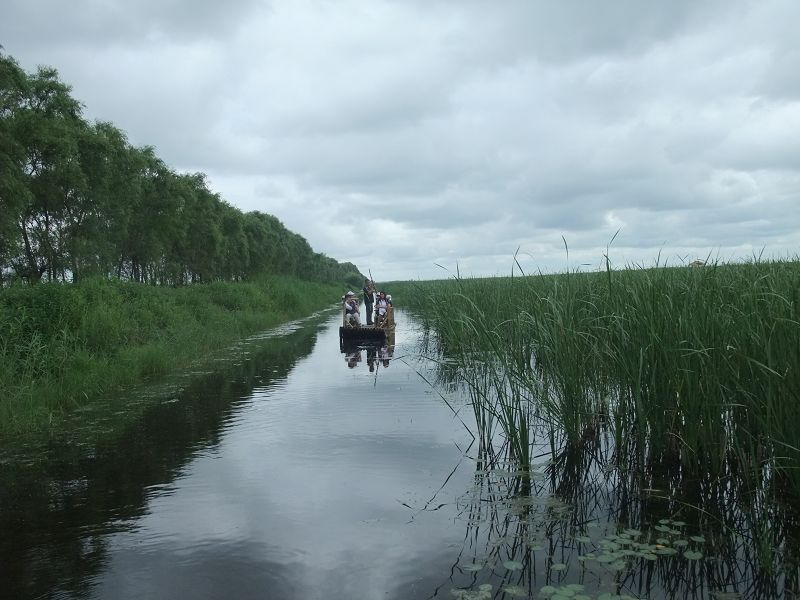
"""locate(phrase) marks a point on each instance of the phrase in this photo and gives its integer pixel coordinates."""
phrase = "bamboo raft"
(362, 332)
(377, 332)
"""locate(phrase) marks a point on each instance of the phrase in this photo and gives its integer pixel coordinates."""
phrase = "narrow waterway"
(289, 470)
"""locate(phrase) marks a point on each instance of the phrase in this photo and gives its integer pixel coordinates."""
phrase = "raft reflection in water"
(378, 353)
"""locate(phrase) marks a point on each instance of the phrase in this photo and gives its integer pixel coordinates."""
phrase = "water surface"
(289, 470)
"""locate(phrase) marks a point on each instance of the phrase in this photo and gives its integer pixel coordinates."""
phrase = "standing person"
(381, 306)
(351, 309)
(369, 298)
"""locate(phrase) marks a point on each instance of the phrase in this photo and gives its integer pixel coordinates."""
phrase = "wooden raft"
(375, 332)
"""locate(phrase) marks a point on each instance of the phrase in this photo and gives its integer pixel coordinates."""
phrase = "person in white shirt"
(381, 306)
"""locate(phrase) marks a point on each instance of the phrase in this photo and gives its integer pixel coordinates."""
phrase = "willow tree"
(14, 194)
(40, 123)
(76, 200)
(99, 217)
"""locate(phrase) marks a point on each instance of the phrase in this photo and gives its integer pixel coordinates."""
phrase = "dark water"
(288, 471)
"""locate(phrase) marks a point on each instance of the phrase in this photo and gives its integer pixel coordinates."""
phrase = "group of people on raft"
(372, 297)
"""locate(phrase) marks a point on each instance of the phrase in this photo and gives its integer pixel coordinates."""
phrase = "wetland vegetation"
(641, 426)
(62, 345)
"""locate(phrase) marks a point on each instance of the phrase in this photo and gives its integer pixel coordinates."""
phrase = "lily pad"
(558, 567)
(607, 558)
(609, 545)
(512, 565)
(693, 555)
(516, 591)
(479, 594)
(633, 532)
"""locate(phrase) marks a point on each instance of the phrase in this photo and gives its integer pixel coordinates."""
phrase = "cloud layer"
(406, 135)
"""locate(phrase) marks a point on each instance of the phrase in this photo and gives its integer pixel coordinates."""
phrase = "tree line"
(78, 200)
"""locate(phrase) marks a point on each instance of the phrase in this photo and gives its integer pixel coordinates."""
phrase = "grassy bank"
(697, 368)
(64, 345)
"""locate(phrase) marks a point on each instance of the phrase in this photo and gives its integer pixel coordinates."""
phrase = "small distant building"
(697, 263)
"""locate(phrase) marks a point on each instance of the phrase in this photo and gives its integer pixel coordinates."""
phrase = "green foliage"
(64, 344)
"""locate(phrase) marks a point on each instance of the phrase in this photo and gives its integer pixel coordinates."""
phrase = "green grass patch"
(64, 345)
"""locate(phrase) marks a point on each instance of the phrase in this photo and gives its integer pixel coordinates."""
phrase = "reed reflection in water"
(551, 517)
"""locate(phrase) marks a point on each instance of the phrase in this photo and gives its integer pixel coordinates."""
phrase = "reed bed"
(675, 390)
(690, 367)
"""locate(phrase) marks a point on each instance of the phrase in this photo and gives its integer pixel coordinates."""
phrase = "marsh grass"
(64, 345)
(690, 366)
(680, 380)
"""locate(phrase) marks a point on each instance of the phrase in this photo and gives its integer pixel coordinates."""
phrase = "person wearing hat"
(351, 309)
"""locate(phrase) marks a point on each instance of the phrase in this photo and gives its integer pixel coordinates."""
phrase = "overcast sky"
(402, 134)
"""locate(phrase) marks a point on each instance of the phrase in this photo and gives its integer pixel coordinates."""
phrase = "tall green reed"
(694, 367)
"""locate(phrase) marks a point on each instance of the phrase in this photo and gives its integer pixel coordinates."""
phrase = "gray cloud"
(97, 23)
(449, 132)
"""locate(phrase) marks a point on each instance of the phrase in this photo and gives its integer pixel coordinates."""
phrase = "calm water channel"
(286, 468)
(291, 470)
